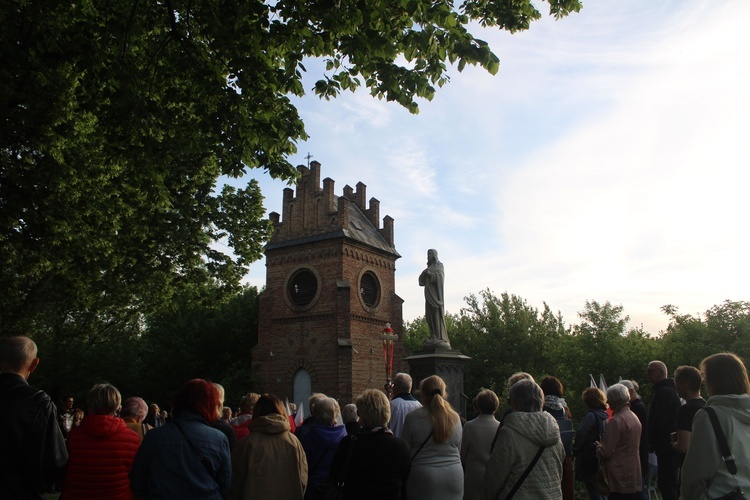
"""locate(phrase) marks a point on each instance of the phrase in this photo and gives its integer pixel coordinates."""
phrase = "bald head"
(18, 355)
(656, 371)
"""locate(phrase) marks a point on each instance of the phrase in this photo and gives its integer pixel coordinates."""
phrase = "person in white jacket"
(704, 473)
(524, 432)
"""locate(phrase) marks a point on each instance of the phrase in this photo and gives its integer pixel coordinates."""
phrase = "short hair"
(519, 376)
(314, 397)
(593, 398)
(551, 386)
(374, 408)
(632, 385)
(402, 382)
(327, 409)
(247, 402)
(349, 413)
(16, 353)
(197, 396)
(220, 388)
(690, 375)
(486, 402)
(135, 408)
(268, 404)
(103, 399)
(226, 412)
(725, 373)
(617, 394)
(527, 395)
(658, 366)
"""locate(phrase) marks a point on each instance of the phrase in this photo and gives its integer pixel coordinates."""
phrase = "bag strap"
(317, 462)
(198, 454)
(525, 474)
(726, 454)
(422, 445)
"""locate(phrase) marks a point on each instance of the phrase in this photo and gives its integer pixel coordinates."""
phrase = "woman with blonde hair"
(704, 473)
(433, 433)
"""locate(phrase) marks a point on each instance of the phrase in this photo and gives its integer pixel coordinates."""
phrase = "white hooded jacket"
(517, 443)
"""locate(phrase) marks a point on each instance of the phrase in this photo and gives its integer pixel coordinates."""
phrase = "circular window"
(369, 289)
(303, 286)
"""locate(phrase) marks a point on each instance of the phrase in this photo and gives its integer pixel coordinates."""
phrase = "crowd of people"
(386, 444)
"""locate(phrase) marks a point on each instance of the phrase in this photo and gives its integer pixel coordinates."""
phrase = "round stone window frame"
(378, 282)
(288, 282)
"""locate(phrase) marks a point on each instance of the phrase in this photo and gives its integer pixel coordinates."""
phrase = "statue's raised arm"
(432, 279)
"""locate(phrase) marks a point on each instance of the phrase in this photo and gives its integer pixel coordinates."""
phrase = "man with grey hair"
(528, 434)
(402, 402)
(662, 422)
(32, 448)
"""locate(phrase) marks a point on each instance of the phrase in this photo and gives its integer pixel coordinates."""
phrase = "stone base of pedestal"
(448, 364)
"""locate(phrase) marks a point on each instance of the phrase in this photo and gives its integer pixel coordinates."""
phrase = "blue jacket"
(320, 443)
(166, 466)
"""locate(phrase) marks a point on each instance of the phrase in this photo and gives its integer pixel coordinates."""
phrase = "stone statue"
(432, 280)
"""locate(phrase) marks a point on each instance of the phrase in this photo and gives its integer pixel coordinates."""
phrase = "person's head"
(632, 386)
(349, 413)
(135, 408)
(594, 398)
(526, 395)
(434, 396)
(326, 410)
(656, 372)
(402, 383)
(688, 381)
(486, 402)
(373, 408)
(551, 386)
(725, 373)
(517, 377)
(18, 355)
(226, 413)
(247, 402)
(197, 396)
(313, 399)
(268, 404)
(103, 399)
(617, 394)
(67, 403)
(153, 409)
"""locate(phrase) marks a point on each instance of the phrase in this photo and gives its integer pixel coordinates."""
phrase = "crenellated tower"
(330, 290)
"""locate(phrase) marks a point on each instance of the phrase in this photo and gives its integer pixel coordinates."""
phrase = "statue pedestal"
(446, 363)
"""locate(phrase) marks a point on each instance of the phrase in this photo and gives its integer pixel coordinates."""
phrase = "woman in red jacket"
(101, 450)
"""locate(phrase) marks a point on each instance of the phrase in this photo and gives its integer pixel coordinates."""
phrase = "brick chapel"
(330, 290)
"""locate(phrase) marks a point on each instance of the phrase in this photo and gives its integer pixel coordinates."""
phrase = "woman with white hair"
(320, 440)
(619, 447)
(528, 440)
(134, 410)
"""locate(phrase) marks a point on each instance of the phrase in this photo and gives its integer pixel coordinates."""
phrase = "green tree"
(503, 335)
(118, 118)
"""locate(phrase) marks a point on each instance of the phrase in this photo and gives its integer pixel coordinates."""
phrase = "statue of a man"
(432, 280)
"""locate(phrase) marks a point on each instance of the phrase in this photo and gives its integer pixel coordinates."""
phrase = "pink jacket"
(619, 451)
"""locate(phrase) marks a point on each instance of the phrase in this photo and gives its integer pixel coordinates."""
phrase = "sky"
(607, 160)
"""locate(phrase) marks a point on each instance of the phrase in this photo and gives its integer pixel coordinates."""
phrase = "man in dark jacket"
(662, 422)
(32, 447)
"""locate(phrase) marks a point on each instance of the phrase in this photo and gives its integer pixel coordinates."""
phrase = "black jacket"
(662, 415)
(32, 448)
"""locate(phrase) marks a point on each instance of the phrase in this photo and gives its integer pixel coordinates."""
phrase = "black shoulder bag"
(421, 445)
(726, 455)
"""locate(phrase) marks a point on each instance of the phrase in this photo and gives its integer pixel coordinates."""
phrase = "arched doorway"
(302, 389)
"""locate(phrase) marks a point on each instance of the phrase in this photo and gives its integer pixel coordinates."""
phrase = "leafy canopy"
(118, 118)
